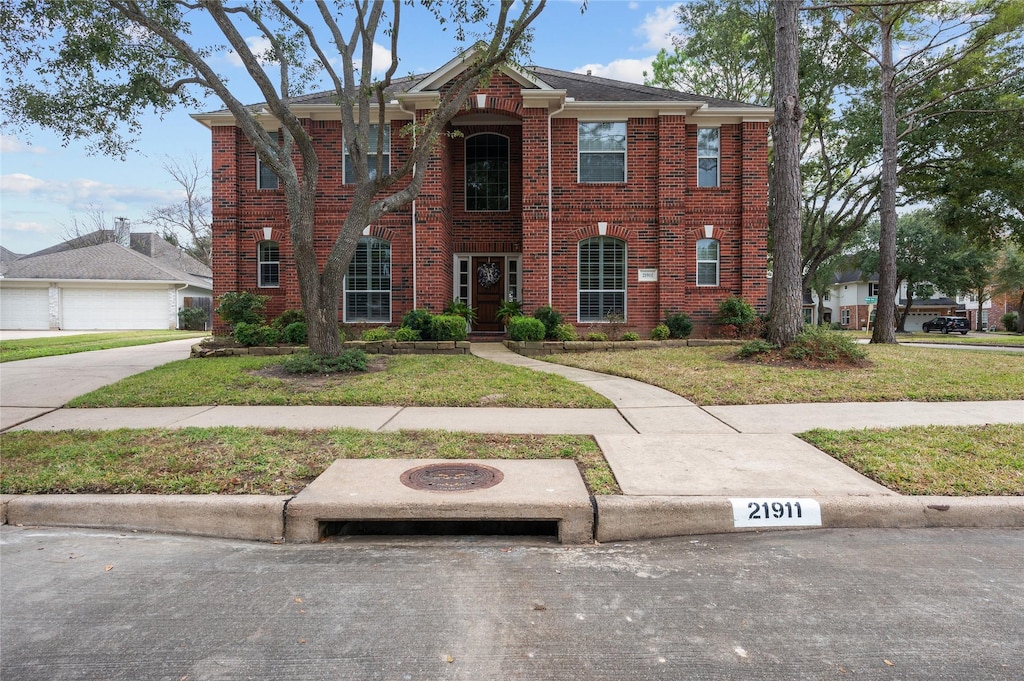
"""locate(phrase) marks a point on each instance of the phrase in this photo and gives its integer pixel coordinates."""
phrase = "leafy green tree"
(89, 68)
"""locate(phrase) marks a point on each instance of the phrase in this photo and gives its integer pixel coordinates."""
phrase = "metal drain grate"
(451, 477)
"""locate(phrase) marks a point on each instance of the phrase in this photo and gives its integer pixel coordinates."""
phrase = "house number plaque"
(776, 512)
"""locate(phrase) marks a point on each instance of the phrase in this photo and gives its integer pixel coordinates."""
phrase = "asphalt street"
(864, 604)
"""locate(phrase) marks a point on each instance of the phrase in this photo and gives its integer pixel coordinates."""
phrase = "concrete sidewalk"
(680, 466)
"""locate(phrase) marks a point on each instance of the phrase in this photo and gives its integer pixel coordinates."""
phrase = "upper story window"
(707, 262)
(602, 149)
(707, 157)
(269, 264)
(487, 175)
(265, 177)
(872, 289)
(368, 282)
(602, 279)
(371, 155)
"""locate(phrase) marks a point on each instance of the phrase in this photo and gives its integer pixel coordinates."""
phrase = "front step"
(390, 496)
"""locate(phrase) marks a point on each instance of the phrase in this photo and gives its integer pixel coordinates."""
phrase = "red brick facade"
(658, 212)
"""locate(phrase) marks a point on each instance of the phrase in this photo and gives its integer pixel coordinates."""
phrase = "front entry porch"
(483, 281)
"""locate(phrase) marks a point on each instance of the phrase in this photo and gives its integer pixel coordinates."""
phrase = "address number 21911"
(776, 513)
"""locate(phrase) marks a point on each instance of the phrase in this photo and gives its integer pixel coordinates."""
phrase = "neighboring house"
(849, 303)
(598, 197)
(92, 282)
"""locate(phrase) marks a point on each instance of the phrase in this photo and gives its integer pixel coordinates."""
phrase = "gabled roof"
(102, 262)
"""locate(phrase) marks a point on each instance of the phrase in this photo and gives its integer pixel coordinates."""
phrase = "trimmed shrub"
(418, 320)
(406, 334)
(527, 329)
(248, 334)
(660, 332)
(755, 347)
(550, 318)
(236, 308)
(381, 333)
(597, 336)
(1009, 321)
(288, 317)
(565, 332)
(295, 333)
(679, 324)
(631, 336)
(305, 363)
(736, 311)
(822, 345)
(192, 318)
(447, 327)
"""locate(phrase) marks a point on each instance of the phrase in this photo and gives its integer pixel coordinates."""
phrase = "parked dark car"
(947, 324)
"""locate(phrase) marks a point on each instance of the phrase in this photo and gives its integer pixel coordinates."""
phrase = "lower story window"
(844, 317)
(602, 279)
(269, 264)
(707, 262)
(368, 283)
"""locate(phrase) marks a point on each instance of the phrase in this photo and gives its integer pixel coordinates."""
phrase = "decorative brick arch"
(614, 231)
(509, 106)
(276, 234)
(381, 232)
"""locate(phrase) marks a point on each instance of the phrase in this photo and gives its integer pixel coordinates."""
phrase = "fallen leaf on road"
(108, 568)
(891, 664)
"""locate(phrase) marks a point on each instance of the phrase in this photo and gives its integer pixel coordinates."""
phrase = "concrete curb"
(622, 518)
(618, 518)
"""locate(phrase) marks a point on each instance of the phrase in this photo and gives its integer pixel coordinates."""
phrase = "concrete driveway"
(32, 387)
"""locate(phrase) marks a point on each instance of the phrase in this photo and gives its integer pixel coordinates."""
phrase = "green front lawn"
(30, 348)
(712, 375)
(406, 380)
(250, 460)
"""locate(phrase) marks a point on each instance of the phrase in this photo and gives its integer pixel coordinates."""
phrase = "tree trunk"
(902, 327)
(981, 301)
(885, 313)
(786, 318)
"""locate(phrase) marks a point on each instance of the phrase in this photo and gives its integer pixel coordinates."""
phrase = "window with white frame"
(707, 262)
(844, 317)
(872, 289)
(371, 155)
(368, 282)
(269, 256)
(602, 150)
(602, 279)
(487, 174)
(827, 297)
(708, 140)
(266, 178)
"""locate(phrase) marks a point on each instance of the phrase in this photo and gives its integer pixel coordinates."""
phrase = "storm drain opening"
(439, 528)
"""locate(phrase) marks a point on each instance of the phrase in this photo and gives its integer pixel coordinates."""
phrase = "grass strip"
(933, 460)
(713, 375)
(49, 346)
(251, 461)
(406, 380)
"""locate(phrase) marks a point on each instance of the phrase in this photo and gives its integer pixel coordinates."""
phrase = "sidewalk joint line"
(391, 418)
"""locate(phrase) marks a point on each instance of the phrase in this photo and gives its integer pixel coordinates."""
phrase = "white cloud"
(259, 45)
(629, 70)
(81, 193)
(36, 227)
(658, 26)
(12, 145)
(381, 59)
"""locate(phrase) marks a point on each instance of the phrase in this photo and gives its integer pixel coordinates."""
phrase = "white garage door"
(85, 308)
(24, 308)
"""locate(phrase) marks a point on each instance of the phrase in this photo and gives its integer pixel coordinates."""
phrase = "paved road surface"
(842, 604)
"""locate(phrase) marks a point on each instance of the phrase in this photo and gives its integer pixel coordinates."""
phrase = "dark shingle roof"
(108, 262)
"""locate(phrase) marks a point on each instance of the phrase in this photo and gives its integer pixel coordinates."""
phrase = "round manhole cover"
(451, 477)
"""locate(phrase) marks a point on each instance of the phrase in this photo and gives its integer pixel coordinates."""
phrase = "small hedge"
(248, 334)
(550, 318)
(527, 329)
(305, 363)
(418, 320)
(295, 333)
(445, 327)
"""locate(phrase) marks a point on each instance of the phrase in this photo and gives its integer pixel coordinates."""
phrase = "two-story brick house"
(594, 196)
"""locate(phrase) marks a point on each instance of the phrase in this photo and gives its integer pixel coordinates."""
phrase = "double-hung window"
(266, 178)
(487, 185)
(602, 279)
(872, 289)
(371, 155)
(368, 282)
(707, 262)
(708, 140)
(602, 148)
(269, 264)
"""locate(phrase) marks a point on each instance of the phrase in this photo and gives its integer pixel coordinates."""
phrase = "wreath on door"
(488, 274)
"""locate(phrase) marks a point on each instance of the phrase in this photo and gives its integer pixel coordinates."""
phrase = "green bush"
(736, 311)
(305, 363)
(508, 309)
(660, 332)
(679, 324)
(755, 347)
(447, 327)
(631, 336)
(236, 308)
(822, 345)
(527, 329)
(406, 334)
(461, 309)
(565, 332)
(381, 333)
(295, 333)
(248, 334)
(597, 336)
(192, 318)
(287, 317)
(418, 320)
(550, 318)
(1009, 321)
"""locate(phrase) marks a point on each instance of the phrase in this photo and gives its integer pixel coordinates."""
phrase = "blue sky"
(43, 185)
